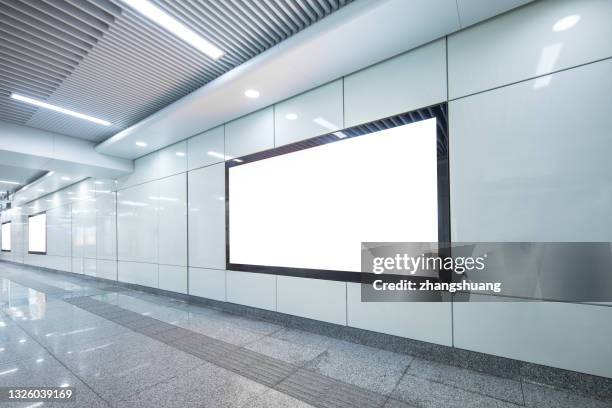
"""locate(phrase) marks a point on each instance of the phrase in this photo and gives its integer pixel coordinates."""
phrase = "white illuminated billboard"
(37, 233)
(312, 208)
(6, 236)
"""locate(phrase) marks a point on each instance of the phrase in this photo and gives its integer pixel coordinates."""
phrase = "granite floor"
(124, 348)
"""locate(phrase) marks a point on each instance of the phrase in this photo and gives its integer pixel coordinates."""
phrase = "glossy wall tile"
(145, 274)
(310, 114)
(206, 148)
(531, 163)
(137, 230)
(249, 134)
(207, 283)
(207, 217)
(171, 207)
(173, 278)
(171, 160)
(409, 81)
(296, 295)
(252, 289)
(431, 322)
(534, 40)
(564, 335)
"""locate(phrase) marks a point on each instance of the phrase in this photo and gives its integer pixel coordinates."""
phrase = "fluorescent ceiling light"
(10, 182)
(291, 116)
(141, 144)
(251, 93)
(340, 135)
(41, 190)
(46, 105)
(566, 23)
(160, 17)
(180, 154)
(65, 178)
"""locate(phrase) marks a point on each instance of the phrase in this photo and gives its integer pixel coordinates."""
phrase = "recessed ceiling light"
(141, 144)
(566, 23)
(160, 17)
(66, 178)
(46, 105)
(9, 182)
(180, 154)
(291, 116)
(251, 93)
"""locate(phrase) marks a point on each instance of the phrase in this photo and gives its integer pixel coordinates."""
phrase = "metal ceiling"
(101, 58)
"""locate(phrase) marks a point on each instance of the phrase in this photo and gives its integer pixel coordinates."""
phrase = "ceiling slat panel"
(104, 59)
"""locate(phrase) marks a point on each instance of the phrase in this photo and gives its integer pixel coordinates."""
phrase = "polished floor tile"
(496, 387)
(298, 354)
(547, 397)
(134, 349)
(275, 399)
(430, 394)
(366, 367)
(205, 386)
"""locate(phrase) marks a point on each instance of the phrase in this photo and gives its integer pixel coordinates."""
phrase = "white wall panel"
(58, 231)
(106, 269)
(528, 42)
(205, 148)
(532, 164)
(106, 223)
(89, 267)
(77, 265)
(62, 263)
(145, 169)
(252, 289)
(82, 196)
(171, 160)
(409, 81)
(144, 274)
(310, 114)
(249, 134)
(425, 321)
(207, 217)
(571, 336)
(17, 238)
(171, 202)
(207, 283)
(312, 298)
(173, 278)
(137, 223)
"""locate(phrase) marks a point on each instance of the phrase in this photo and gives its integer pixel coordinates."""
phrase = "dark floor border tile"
(585, 384)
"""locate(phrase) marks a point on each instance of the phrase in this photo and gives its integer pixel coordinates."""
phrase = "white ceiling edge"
(31, 148)
(44, 186)
(359, 35)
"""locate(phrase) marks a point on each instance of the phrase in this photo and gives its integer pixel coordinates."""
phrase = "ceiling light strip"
(163, 19)
(46, 105)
